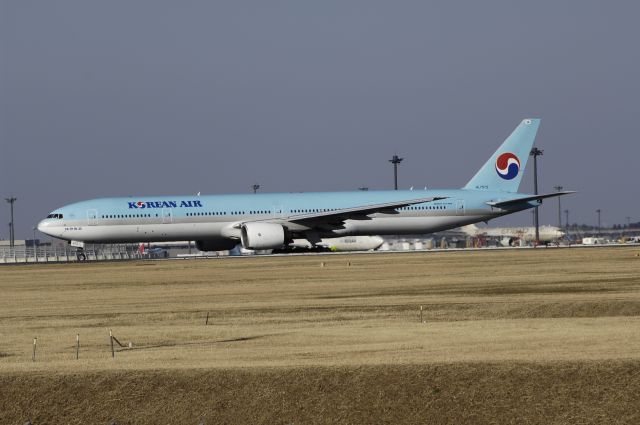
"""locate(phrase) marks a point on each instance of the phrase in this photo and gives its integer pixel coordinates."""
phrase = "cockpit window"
(57, 216)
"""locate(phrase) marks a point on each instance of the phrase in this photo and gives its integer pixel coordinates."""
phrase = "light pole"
(395, 161)
(598, 211)
(628, 222)
(12, 238)
(255, 188)
(535, 153)
(35, 246)
(566, 219)
(533, 218)
(559, 189)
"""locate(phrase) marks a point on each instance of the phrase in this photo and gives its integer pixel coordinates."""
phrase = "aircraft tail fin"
(504, 170)
(470, 229)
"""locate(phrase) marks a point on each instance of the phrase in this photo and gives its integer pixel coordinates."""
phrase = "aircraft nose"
(44, 227)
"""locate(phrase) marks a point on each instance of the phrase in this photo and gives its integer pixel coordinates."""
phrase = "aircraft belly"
(123, 233)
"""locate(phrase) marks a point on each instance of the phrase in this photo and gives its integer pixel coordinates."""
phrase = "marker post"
(113, 353)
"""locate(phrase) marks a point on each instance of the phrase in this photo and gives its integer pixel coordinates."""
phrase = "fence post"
(77, 346)
(35, 342)
(113, 353)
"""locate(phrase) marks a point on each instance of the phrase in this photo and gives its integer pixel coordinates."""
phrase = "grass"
(509, 334)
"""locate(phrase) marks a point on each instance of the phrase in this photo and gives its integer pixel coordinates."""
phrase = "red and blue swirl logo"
(507, 166)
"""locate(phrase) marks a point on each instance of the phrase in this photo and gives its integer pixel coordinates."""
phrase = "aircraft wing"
(337, 217)
(358, 213)
(538, 198)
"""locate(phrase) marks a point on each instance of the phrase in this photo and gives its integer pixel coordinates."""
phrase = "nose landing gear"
(80, 255)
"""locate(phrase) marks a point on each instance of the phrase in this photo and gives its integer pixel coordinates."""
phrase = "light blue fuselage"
(166, 218)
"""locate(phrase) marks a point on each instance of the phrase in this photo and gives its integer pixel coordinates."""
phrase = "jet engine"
(216, 244)
(262, 236)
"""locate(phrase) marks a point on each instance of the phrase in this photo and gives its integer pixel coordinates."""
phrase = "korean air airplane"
(266, 221)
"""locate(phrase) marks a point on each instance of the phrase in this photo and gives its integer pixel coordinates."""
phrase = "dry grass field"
(548, 336)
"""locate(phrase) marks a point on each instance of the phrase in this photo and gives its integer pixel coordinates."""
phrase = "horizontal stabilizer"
(525, 199)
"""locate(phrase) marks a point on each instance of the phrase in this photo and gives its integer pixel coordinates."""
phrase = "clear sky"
(109, 98)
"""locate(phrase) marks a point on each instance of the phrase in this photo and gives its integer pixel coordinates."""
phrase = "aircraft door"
(277, 210)
(460, 206)
(92, 217)
(167, 215)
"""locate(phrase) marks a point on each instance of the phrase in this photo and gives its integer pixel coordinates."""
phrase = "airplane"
(343, 244)
(273, 220)
(509, 235)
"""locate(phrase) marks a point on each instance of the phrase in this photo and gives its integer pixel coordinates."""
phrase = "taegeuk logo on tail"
(508, 165)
